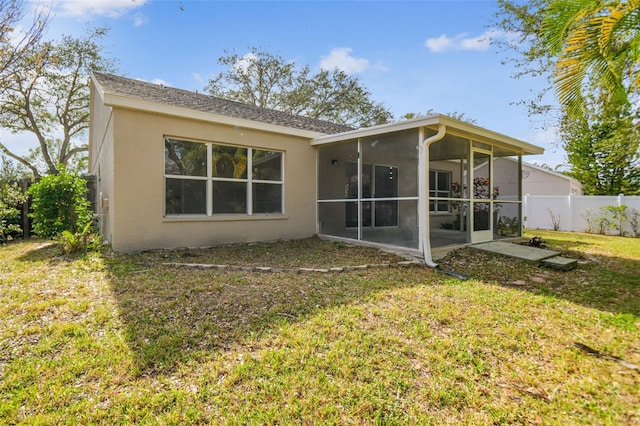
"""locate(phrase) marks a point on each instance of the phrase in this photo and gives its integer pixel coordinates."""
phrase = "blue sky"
(412, 55)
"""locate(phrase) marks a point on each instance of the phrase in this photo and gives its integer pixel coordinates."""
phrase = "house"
(540, 181)
(175, 168)
(537, 180)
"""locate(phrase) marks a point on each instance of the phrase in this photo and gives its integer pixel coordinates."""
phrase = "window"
(211, 179)
(439, 187)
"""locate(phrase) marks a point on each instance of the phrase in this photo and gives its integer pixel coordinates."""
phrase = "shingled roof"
(142, 90)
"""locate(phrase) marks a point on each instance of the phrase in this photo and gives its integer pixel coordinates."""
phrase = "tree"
(10, 171)
(603, 147)
(455, 114)
(523, 21)
(589, 51)
(11, 199)
(596, 43)
(47, 94)
(15, 43)
(266, 80)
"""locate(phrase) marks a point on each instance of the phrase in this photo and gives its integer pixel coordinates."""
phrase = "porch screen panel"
(507, 205)
(397, 150)
(404, 233)
(336, 177)
(331, 220)
(506, 178)
(338, 183)
(448, 188)
(452, 228)
(390, 205)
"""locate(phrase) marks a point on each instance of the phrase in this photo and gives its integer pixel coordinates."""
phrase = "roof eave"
(454, 127)
(121, 101)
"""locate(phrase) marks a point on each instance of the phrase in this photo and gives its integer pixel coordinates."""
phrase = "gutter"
(423, 196)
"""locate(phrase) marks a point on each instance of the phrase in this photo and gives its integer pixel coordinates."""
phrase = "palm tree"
(596, 41)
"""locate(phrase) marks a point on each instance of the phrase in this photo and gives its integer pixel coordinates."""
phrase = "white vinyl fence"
(578, 213)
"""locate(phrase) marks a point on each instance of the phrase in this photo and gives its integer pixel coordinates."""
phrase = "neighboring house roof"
(137, 94)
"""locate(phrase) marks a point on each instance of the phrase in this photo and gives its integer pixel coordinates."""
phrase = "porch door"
(481, 211)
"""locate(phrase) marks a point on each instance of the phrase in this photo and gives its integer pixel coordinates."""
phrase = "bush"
(84, 240)
(59, 204)
(11, 197)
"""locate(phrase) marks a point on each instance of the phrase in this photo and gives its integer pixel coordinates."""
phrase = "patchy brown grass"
(607, 276)
(303, 253)
(119, 339)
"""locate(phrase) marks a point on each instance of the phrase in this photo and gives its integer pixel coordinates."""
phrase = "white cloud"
(464, 42)
(156, 80)
(139, 20)
(108, 8)
(198, 77)
(342, 59)
(243, 64)
(160, 82)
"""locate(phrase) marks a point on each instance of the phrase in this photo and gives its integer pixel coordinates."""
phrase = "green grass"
(118, 339)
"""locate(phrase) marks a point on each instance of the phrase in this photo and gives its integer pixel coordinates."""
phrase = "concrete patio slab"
(561, 263)
(530, 254)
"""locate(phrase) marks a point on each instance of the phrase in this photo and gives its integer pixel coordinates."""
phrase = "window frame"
(249, 181)
(437, 194)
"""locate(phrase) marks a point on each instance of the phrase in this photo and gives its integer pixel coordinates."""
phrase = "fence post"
(525, 210)
(570, 201)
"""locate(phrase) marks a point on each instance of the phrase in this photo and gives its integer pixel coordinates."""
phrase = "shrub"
(59, 204)
(617, 217)
(555, 220)
(634, 221)
(590, 217)
(85, 240)
(11, 197)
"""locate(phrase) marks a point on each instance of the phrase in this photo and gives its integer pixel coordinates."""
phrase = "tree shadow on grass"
(173, 314)
(44, 251)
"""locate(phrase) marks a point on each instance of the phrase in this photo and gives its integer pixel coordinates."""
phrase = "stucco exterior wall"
(101, 162)
(138, 209)
(539, 182)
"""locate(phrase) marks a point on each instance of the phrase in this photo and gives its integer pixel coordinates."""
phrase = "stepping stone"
(561, 263)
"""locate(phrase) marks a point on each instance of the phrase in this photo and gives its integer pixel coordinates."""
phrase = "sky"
(413, 56)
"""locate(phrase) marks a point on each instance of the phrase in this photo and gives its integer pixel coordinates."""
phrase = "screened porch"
(420, 184)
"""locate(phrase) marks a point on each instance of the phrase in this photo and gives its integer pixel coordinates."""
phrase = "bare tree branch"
(19, 159)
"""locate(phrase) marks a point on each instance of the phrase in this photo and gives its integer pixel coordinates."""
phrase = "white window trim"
(249, 181)
(438, 198)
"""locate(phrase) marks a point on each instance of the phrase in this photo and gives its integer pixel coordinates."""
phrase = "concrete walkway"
(548, 258)
(530, 254)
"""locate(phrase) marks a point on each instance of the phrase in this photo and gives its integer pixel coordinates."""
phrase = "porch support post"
(423, 192)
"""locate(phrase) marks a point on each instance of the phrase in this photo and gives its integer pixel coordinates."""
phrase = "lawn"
(119, 339)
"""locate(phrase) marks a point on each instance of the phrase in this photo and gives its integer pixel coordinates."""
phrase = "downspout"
(423, 196)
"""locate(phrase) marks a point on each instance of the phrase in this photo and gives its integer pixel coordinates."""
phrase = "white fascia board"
(454, 127)
(377, 130)
(126, 102)
(98, 88)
